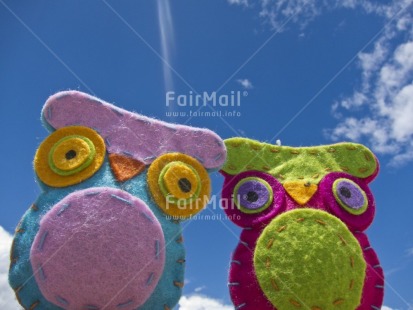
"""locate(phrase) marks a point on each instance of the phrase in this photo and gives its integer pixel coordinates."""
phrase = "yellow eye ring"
(179, 184)
(69, 156)
(180, 181)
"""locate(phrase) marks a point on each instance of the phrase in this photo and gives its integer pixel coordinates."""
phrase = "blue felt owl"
(105, 233)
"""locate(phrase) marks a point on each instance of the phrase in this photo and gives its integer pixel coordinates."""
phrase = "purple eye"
(350, 196)
(253, 195)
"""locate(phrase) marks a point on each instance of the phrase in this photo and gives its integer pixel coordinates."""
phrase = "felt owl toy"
(303, 212)
(105, 233)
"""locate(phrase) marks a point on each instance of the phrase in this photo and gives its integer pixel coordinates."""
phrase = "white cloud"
(239, 2)
(200, 302)
(380, 110)
(386, 93)
(199, 289)
(277, 12)
(7, 297)
(245, 83)
(386, 308)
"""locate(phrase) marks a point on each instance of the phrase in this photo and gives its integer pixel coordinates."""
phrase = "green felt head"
(308, 259)
(309, 164)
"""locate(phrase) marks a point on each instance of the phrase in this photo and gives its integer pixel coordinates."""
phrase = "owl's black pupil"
(70, 155)
(252, 196)
(344, 191)
(184, 185)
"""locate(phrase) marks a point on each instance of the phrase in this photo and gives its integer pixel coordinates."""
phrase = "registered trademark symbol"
(245, 93)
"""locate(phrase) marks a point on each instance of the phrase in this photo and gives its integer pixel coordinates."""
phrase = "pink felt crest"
(98, 248)
(132, 134)
(248, 220)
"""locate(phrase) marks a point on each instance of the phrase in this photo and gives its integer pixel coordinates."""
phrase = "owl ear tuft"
(376, 172)
(309, 164)
(126, 132)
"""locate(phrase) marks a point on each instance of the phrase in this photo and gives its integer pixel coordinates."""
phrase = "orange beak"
(300, 191)
(124, 167)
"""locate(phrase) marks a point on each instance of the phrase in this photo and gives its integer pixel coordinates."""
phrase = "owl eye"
(179, 184)
(253, 195)
(69, 156)
(350, 196)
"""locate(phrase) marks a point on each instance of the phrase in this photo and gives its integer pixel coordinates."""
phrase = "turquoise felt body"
(21, 272)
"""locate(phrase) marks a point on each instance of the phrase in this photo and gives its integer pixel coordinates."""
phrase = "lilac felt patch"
(247, 220)
(350, 195)
(132, 134)
(100, 247)
(253, 195)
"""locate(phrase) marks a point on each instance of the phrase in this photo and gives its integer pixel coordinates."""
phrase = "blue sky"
(315, 72)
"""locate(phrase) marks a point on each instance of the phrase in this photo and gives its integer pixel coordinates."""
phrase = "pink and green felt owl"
(304, 212)
(105, 233)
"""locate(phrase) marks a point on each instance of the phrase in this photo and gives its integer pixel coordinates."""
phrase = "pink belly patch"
(98, 248)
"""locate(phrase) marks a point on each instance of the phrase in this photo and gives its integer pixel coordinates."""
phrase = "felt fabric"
(354, 221)
(300, 191)
(21, 272)
(98, 247)
(308, 258)
(179, 180)
(309, 164)
(253, 195)
(246, 292)
(142, 138)
(247, 220)
(166, 294)
(332, 196)
(350, 196)
(373, 292)
(244, 288)
(164, 175)
(107, 221)
(69, 156)
(124, 167)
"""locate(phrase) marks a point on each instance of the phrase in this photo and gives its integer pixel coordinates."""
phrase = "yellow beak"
(300, 191)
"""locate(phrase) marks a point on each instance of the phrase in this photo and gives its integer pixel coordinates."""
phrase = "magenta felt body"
(132, 134)
(373, 292)
(243, 284)
(245, 290)
(99, 247)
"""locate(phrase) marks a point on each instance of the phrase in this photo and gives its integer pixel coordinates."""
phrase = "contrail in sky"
(166, 30)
